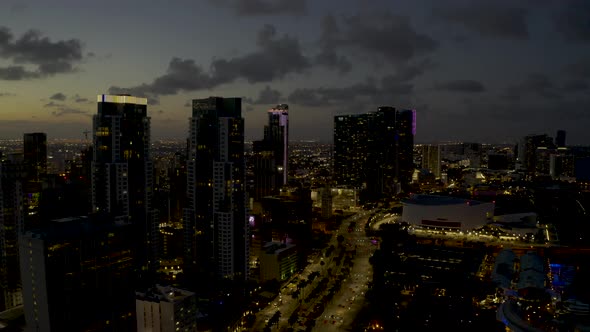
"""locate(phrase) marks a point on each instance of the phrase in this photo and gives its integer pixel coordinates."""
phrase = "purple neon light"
(414, 122)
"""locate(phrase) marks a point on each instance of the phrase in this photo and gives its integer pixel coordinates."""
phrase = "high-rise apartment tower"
(215, 224)
(122, 172)
(375, 150)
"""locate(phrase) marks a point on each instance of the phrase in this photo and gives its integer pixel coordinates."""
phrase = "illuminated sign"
(121, 99)
(413, 122)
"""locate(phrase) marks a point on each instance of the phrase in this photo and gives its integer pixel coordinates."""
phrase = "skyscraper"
(527, 151)
(35, 155)
(122, 172)
(560, 139)
(431, 159)
(216, 234)
(375, 150)
(405, 124)
(265, 175)
(277, 133)
(11, 225)
(350, 149)
(271, 155)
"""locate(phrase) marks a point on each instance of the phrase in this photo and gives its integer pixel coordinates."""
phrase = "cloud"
(7, 94)
(328, 56)
(578, 69)
(18, 7)
(330, 59)
(187, 104)
(541, 85)
(16, 73)
(383, 36)
(307, 97)
(58, 96)
(276, 58)
(81, 100)
(409, 71)
(467, 86)
(488, 20)
(68, 111)
(264, 7)
(32, 48)
(388, 90)
(61, 109)
(572, 20)
(181, 75)
(266, 96)
(575, 86)
(52, 104)
(367, 88)
(535, 84)
(390, 85)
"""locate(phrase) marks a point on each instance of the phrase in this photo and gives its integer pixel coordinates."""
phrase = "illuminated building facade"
(351, 138)
(431, 159)
(78, 275)
(375, 150)
(278, 261)
(122, 172)
(446, 212)
(562, 164)
(527, 152)
(216, 240)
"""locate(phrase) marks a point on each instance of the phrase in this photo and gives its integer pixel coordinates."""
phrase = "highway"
(286, 304)
(346, 304)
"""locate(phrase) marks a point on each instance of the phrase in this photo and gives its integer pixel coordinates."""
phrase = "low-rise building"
(166, 309)
(278, 261)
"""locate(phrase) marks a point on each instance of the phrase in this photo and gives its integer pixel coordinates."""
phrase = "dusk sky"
(486, 71)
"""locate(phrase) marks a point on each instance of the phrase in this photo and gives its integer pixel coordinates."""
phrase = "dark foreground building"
(122, 174)
(77, 275)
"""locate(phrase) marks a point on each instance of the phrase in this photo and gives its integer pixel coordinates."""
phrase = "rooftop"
(164, 294)
(122, 99)
(275, 248)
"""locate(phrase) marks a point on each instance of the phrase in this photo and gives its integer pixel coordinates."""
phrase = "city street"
(344, 307)
(353, 286)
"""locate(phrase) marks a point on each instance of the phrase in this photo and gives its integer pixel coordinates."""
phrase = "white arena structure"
(444, 212)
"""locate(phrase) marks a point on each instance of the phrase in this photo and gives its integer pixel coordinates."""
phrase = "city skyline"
(486, 71)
